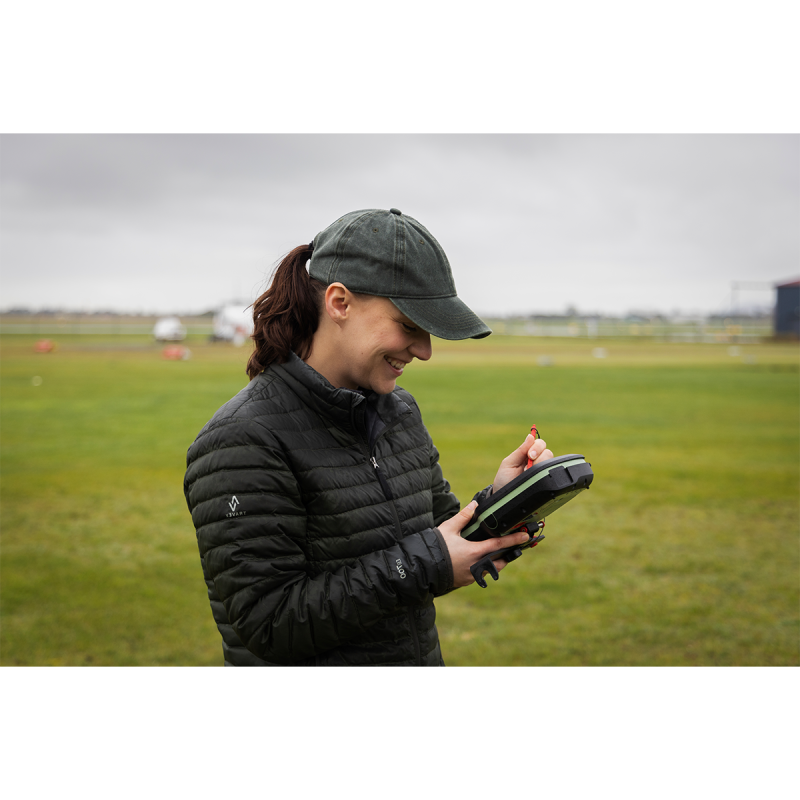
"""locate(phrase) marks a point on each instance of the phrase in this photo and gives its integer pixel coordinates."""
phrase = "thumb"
(465, 515)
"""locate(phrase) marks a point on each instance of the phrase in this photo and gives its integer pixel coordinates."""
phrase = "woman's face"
(379, 340)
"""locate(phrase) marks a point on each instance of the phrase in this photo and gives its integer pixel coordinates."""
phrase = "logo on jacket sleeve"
(233, 503)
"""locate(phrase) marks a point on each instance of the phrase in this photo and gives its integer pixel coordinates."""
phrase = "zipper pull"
(383, 482)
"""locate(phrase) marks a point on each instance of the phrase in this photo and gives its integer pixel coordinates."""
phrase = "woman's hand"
(514, 464)
(463, 553)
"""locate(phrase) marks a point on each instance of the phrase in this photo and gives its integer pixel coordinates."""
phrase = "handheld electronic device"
(523, 503)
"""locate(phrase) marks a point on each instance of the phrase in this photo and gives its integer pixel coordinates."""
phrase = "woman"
(324, 523)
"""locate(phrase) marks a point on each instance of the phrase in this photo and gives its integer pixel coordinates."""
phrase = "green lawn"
(684, 552)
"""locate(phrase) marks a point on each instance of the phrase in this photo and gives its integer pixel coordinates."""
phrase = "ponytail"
(286, 316)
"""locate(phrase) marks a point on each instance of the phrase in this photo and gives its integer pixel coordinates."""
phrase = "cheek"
(396, 342)
(377, 345)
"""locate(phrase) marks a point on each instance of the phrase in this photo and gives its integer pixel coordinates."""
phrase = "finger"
(537, 449)
(545, 455)
(511, 540)
(500, 564)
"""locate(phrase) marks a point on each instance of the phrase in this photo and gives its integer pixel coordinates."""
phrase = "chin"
(383, 387)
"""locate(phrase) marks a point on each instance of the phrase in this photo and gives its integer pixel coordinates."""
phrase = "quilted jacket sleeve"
(253, 553)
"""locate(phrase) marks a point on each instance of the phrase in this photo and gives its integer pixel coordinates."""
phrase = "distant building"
(787, 309)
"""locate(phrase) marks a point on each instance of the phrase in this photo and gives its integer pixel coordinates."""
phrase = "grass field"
(685, 551)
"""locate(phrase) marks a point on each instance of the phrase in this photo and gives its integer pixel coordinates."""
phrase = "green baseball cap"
(390, 254)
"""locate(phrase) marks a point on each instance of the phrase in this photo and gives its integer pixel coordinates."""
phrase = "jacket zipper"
(387, 491)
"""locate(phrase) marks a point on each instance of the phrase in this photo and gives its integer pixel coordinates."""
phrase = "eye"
(408, 328)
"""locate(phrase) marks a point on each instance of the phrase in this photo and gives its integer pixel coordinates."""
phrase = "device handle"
(486, 564)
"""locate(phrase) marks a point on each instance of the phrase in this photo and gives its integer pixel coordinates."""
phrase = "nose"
(421, 348)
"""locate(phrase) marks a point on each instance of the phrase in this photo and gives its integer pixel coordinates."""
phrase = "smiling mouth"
(394, 364)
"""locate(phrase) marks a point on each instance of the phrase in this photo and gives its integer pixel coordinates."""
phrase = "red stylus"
(535, 433)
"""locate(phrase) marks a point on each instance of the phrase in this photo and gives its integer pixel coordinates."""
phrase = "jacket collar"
(346, 407)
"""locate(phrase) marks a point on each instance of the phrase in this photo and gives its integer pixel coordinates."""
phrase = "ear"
(338, 301)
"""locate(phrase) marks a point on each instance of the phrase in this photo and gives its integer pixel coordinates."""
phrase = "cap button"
(396, 211)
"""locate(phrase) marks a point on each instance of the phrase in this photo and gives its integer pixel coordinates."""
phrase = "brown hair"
(286, 316)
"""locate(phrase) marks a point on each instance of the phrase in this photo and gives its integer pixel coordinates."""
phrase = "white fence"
(675, 330)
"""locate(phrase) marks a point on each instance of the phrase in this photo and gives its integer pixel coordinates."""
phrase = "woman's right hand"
(512, 466)
(463, 553)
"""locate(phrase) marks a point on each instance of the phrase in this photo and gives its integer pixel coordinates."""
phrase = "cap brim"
(444, 317)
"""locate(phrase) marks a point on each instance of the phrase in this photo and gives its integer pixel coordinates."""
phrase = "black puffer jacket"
(315, 511)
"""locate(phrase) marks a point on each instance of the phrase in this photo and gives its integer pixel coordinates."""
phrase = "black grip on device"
(507, 554)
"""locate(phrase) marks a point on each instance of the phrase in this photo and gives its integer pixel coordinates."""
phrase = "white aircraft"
(233, 323)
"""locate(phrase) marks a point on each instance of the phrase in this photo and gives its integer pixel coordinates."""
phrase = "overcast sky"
(530, 223)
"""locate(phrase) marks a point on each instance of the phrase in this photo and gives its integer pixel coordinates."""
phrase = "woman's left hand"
(514, 464)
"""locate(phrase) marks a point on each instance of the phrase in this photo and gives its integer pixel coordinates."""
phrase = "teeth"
(396, 364)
